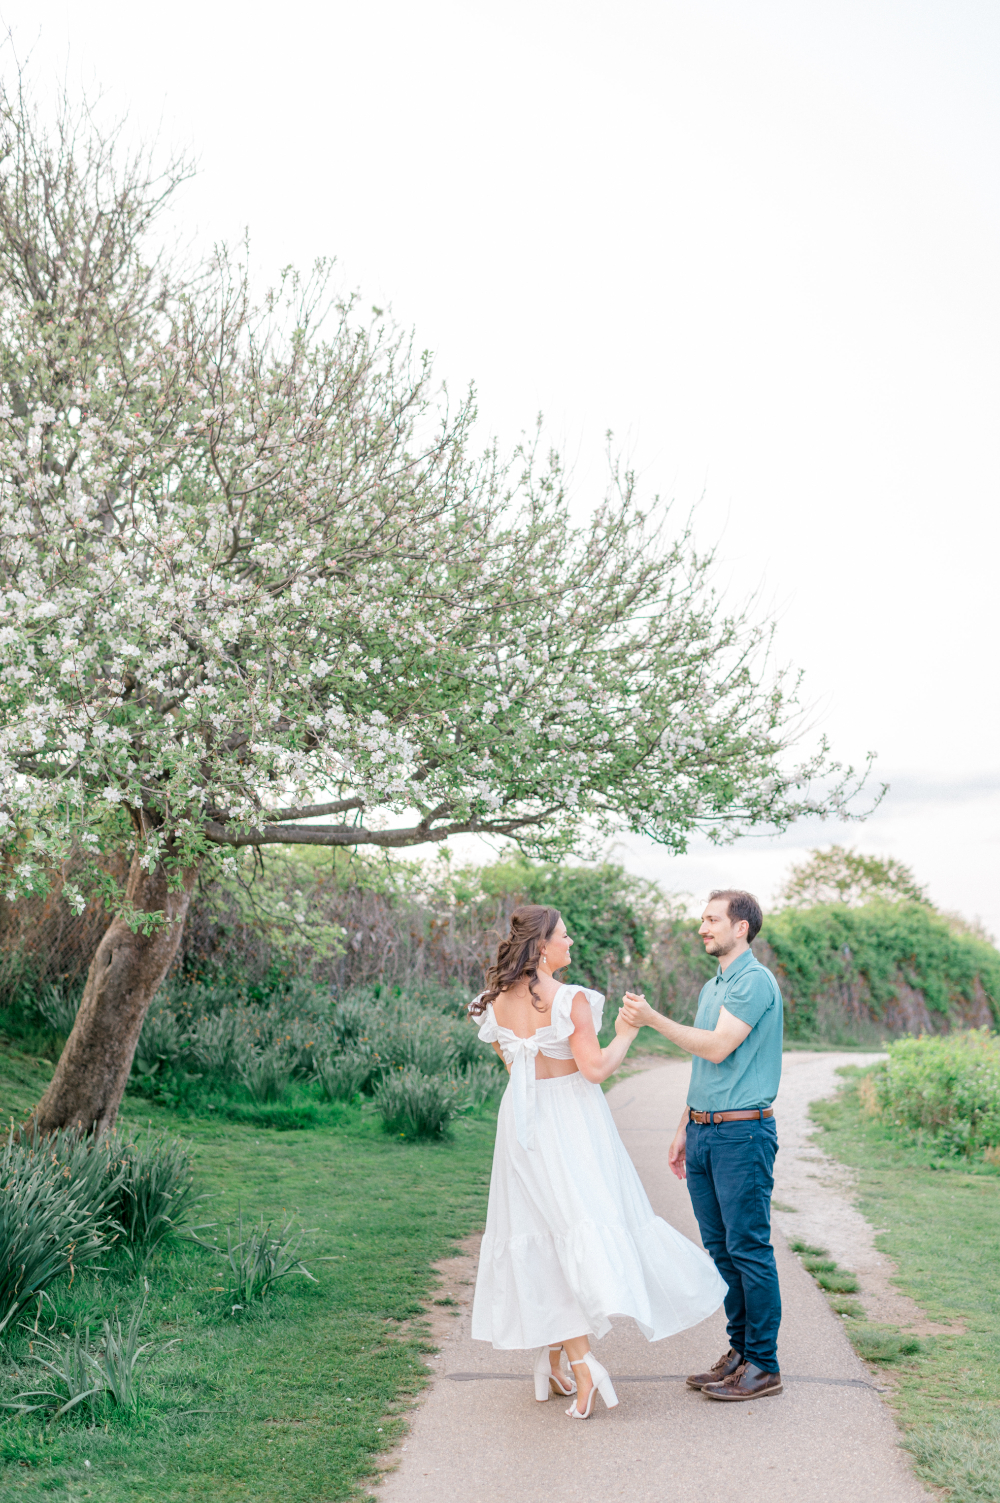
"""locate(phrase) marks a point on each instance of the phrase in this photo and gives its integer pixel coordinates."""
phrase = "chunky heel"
(602, 1384)
(542, 1375)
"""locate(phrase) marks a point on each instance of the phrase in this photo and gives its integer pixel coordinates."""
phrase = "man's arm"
(714, 1044)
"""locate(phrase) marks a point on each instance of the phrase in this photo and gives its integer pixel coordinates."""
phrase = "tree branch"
(357, 834)
(316, 811)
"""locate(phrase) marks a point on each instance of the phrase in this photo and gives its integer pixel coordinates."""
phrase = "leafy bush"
(219, 1042)
(870, 952)
(57, 1200)
(156, 1189)
(480, 1081)
(948, 1087)
(160, 1042)
(603, 907)
(413, 1105)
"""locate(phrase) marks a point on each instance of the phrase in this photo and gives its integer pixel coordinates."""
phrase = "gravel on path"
(480, 1436)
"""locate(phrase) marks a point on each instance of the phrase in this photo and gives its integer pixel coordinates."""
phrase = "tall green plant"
(155, 1191)
(58, 1196)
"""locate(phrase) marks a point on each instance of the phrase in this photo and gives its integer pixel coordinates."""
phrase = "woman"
(571, 1237)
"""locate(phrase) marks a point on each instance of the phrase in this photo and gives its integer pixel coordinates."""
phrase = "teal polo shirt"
(750, 1076)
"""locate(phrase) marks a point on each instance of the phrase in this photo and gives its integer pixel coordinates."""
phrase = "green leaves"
(76, 1371)
(868, 955)
(258, 1257)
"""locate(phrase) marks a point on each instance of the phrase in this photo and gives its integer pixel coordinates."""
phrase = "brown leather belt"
(704, 1118)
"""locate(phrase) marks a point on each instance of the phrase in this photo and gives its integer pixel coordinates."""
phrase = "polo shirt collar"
(747, 958)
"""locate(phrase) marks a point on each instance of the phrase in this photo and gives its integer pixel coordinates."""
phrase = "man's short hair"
(741, 905)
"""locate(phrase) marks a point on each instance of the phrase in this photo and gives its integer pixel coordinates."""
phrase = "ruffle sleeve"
(489, 1032)
(562, 1007)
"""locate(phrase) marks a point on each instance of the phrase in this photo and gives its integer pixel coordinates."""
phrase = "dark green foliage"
(258, 1257)
(301, 1400)
(872, 950)
(74, 1372)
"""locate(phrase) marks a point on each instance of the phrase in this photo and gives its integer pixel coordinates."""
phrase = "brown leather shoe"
(725, 1365)
(747, 1382)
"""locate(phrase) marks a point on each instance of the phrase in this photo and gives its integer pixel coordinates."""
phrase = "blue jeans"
(730, 1176)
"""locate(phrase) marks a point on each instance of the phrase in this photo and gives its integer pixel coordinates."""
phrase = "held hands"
(636, 1010)
(623, 1028)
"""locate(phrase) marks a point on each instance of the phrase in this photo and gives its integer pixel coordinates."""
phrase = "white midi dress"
(571, 1238)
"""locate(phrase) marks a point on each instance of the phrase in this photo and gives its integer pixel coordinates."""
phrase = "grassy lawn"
(295, 1403)
(942, 1229)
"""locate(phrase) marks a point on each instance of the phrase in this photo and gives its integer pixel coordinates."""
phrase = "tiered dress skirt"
(571, 1239)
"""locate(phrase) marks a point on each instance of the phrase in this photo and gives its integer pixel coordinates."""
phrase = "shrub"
(267, 1071)
(219, 1042)
(480, 1081)
(948, 1087)
(341, 1076)
(414, 1105)
(160, 1042)
(57, 1197)
(156, 1190)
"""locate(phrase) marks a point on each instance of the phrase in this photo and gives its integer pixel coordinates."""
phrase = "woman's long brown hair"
(518, 955)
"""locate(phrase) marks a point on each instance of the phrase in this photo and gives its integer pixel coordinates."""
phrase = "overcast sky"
(758, 240)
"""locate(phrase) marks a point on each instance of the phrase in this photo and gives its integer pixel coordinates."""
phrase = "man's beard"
(717, 948)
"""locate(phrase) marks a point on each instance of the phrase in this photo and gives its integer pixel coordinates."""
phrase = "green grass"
(942, 1229)
(294, 1403)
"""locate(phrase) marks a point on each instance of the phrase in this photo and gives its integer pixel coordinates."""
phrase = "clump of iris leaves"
(70, 1204)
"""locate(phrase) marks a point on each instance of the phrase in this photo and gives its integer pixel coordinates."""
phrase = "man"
(726, 1141)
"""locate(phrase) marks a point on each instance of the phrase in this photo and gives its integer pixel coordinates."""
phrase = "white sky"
(758, 240)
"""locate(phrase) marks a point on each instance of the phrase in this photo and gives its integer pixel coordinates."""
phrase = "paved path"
(480, 1437)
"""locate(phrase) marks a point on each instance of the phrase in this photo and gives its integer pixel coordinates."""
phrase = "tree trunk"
(123, 979)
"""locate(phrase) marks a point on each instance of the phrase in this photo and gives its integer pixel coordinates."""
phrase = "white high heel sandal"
(602, 1384)
(546, 1379)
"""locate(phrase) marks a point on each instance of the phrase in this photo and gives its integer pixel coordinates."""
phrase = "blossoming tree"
(256, 587)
